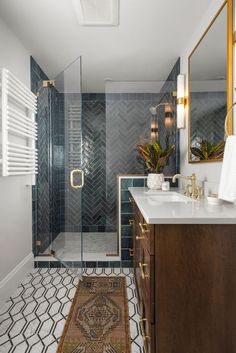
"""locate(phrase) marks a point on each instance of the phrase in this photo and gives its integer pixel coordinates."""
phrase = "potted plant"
(154, 158)
(206, 150)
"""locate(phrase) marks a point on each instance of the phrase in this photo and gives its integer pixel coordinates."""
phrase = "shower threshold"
(95, 246)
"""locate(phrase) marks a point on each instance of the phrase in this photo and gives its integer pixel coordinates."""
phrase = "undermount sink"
(168, 196)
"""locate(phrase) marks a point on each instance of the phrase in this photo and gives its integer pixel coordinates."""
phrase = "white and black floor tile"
(32, 320)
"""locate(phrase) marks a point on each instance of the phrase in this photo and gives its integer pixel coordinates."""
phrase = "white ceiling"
(150, 38)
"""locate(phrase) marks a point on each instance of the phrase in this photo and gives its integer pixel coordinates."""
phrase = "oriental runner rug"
(98, 321)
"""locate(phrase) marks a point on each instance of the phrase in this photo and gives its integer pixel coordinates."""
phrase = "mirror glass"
(208, 92)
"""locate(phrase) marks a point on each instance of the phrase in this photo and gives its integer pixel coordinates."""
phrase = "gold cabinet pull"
(131, 222)
(139, 238)
(131, 252)
(72, 174)
(145, 337)
(142, 266)
(144, 228)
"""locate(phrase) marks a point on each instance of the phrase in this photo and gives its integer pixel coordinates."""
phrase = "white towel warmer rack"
(18, 128)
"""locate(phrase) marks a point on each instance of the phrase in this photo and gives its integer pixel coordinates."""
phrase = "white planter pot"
(154, 181)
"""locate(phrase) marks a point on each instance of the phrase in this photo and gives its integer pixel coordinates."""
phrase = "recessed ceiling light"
(97, 12)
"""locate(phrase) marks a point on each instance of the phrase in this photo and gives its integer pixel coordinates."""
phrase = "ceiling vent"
(97, 12)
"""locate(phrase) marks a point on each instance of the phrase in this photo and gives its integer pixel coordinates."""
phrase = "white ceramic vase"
(154, 181)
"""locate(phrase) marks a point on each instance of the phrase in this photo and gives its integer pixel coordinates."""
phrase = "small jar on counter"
(165, 186)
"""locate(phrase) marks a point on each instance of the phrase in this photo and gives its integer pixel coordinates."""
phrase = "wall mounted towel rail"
(18, 128)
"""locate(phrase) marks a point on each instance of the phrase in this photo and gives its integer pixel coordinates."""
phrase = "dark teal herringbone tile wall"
(94, 205)
(73, 158)
(112, 127)
(167, 90)
(205, 106)
(50, 144)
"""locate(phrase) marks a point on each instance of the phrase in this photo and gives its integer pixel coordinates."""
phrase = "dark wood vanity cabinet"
(143, 262)
(186, 283)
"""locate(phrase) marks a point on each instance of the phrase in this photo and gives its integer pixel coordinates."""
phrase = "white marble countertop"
(187, 212)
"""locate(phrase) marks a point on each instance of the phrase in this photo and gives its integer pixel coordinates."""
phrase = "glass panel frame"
(68, 246)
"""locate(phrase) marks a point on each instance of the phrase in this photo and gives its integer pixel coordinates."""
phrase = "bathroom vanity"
(184, 254)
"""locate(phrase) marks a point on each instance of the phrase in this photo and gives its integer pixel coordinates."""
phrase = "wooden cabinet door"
(147, 328)
(148, 283)
(196, 288)
(143, 240)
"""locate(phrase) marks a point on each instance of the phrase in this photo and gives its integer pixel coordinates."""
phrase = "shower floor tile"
(32, 320)
(96, 246)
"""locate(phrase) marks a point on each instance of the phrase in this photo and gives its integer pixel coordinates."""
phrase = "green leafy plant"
(207, 150)
(154, 156)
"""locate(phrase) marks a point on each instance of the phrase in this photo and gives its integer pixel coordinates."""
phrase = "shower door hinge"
(48, 83)
(38, 242)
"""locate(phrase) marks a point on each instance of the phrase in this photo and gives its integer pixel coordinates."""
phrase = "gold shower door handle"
(72, 174)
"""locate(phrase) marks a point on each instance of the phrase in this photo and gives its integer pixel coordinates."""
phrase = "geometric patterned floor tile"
(32, 320)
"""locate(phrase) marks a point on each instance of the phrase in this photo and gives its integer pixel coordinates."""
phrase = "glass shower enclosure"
(79, 218)
(60, 178)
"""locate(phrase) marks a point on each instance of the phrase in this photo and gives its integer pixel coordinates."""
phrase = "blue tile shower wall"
(41, 230)
(112, 126)
(57, 162)
(72, 218)
(94, 203)
(47, 194)
(127, 124)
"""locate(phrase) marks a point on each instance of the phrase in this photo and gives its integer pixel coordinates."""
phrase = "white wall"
(205, 171)
(15, 196)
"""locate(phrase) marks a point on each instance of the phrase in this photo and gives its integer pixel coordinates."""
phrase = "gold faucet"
(193, 179)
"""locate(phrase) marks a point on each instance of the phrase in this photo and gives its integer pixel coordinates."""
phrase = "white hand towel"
(227, 189)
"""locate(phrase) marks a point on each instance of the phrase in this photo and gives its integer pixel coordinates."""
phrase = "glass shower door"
(67, 174)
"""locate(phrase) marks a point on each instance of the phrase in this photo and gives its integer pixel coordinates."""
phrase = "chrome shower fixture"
(153, 109)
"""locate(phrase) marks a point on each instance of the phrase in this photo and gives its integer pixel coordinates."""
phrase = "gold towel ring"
(227, 133)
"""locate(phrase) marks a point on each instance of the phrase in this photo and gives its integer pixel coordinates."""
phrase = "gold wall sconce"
(168, 117)
(154, 130)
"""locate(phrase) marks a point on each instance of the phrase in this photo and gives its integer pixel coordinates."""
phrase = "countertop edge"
(181, 220)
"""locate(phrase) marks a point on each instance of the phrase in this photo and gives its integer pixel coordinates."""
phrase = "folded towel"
(227, 189)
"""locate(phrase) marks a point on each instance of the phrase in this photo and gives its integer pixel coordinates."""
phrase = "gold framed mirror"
(210, 88)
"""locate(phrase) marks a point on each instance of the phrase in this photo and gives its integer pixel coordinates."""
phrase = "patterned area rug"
(98, 321)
